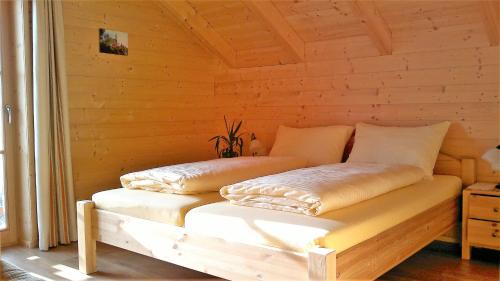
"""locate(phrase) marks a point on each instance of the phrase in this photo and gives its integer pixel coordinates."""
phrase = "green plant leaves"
(231, 142)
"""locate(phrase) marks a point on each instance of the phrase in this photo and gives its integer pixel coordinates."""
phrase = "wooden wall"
(152, 107)
(345, 81)
(160, 104)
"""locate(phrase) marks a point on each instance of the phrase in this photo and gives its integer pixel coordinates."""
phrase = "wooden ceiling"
(258, 33)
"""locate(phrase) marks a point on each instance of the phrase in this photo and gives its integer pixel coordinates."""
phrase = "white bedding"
(206, 176)
(314, 191)
(340, 229)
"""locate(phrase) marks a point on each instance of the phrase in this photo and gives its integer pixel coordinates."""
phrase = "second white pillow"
(318, 145)
(416, 146)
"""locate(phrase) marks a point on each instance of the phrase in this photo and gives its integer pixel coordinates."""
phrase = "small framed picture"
(113, 42)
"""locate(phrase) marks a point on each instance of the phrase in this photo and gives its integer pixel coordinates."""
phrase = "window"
(3, 220)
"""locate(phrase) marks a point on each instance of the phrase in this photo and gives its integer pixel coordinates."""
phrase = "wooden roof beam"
(190, 18)
(491, 10)
(374, 24)
(279, 26)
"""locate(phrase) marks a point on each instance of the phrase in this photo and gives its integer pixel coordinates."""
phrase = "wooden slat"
(275, 21)
(175, 245)
(491, 13)
(373, 257)
(444, 39)
(320, 20)
(351, 47)
(263, 56)
(369, 64)
(185, 13)
(377, 29)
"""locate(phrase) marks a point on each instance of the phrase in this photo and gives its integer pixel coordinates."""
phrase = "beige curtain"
(24, 153)
(54, 181)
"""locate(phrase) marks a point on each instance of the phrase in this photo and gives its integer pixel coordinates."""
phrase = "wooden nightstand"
(480, 218)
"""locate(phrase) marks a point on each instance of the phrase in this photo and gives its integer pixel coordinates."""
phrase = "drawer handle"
(495, 210)
(494, 235)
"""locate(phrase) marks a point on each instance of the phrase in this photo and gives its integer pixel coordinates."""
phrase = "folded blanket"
(314, 191)
(206, 176)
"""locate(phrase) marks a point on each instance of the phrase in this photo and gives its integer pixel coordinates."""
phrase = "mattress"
(159, 207)
(339, 229)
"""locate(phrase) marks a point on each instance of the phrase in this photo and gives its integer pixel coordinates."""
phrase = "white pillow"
(319, 145)
(417, 146)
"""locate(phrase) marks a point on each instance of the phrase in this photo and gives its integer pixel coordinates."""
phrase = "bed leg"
(86, 241)
(322, 264)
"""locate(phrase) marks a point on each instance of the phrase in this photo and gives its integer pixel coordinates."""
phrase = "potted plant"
(232, 144)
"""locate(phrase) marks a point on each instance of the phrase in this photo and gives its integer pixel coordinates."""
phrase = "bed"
(165, 194)
(368, 258)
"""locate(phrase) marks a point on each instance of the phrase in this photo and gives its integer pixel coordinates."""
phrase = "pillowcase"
(417, 146)
(318, 145)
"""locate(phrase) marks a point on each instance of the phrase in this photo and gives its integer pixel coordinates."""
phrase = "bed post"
(86, 241)
(468, 172)
(322, 264)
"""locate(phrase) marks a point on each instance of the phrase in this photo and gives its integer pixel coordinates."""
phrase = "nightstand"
(480, 218)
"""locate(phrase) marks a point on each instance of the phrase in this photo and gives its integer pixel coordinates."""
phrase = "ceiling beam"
(190, 18)
(279, 26)
(374, 24)
(490, 11)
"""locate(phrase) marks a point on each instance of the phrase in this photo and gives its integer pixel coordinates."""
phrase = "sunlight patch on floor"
(40, 276)
(69, 273)
(32, 258)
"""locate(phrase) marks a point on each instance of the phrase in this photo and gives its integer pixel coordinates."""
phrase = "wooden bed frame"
(238, 261)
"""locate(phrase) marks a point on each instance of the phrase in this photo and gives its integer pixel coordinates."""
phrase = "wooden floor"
(437, 262)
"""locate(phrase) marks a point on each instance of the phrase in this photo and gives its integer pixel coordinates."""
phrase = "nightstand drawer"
(484, 233)
(484, 207)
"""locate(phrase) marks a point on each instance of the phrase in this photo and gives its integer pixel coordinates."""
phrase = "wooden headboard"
(464, 168)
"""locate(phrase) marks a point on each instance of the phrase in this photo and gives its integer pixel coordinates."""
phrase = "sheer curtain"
(55, 200)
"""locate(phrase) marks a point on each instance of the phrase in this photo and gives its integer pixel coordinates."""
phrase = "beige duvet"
(206, 176)
(314, 191)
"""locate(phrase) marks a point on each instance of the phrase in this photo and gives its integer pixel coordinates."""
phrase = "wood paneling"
(321, 20)
(159, 104)
(186, 14)
(255, 42)
(409, 89)
(282, 30)
(433, 25)
(152, 107)
(374, 25)
(339, 28)
(491, 14)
